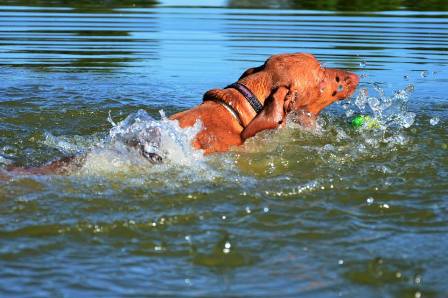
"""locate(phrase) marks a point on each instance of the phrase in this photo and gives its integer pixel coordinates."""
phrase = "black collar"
(250, 97)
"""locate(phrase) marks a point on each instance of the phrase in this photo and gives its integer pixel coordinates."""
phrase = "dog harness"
(248, 95)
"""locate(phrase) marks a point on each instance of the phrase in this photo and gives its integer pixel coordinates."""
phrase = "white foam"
(164, 137)
(119, 150)
(434, 121)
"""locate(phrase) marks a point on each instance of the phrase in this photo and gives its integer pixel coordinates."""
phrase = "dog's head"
(294, 83)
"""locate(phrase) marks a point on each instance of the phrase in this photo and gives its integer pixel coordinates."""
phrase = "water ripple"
(334, 211)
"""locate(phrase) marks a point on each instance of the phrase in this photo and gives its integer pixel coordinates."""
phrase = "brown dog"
(260, 100)
(283, 84)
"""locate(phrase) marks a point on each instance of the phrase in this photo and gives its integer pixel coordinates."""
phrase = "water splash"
(70, 145)
(121, 150)
(165, 137)
(128, 143)
(391, 112)
(340, 146)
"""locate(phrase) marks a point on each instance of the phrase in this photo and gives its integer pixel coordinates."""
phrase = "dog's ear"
(272, 115)
(251, 71)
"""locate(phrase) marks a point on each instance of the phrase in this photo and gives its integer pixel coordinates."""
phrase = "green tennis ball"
(365, 121)
(358, 121)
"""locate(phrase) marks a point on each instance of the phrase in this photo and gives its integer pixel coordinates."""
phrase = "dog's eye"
(334, 93)
(337, 79)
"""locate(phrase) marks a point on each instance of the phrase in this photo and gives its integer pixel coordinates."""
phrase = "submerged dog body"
(285, 83)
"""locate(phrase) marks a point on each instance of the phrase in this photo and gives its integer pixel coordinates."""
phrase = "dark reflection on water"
(103, 6)
(346, 5)
(54, 39)
(339, 213)
(332, 5)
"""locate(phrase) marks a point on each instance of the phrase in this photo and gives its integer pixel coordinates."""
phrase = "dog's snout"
(352, 79)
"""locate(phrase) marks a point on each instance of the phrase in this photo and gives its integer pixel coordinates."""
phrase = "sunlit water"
(333, 211)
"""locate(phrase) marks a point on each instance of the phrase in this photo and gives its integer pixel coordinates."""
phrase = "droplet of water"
(248, 211)
(408, 119)
(434, 121)
(341, 262)
(97, 229)
(349, 113)
(406, 77)
(385, 169)
(361, 99)
(328, 147)
(227, 247)
(409, 88)
(265, 209)
(417, 279)
(374, 103)
(424, 74)
(418, 294)
(370, 200)
(224, 217)
(363, 64)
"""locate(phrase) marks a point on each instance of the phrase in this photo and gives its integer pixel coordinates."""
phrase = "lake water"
(333, 212)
